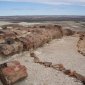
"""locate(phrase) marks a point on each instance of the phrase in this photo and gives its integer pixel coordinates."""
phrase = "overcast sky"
(42, 7)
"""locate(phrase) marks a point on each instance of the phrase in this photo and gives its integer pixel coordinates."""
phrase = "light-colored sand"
(26, 23)
(4, 23)
(58, 51)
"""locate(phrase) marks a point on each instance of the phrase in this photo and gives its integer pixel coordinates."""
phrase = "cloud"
(53, 2)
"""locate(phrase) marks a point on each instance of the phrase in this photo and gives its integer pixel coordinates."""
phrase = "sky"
(42, 7)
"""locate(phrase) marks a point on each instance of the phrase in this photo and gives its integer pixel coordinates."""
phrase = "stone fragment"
(12, 72)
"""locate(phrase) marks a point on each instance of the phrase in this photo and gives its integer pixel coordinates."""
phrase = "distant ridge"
(41, 18)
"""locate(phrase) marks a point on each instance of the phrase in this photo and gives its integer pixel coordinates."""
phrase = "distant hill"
(41, 18)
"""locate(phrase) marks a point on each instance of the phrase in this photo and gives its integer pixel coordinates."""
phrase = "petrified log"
(12, 72)
(39, 37)
(27, 38)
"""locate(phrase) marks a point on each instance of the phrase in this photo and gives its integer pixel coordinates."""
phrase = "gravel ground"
(57, 51)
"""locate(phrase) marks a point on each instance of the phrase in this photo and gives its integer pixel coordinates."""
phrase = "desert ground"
(57, 51)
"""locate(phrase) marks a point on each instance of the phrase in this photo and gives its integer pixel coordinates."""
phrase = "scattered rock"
(47, 64)
(36, 60)
(59, 67)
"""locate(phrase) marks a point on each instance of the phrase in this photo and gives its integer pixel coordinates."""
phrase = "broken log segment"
(12, 72)
(80, 77)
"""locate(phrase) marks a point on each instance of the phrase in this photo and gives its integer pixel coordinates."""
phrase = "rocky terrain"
(50, 52)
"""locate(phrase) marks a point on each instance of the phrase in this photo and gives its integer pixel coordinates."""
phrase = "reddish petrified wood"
(12, 72)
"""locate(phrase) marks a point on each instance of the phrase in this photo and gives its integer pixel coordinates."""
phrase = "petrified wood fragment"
(12, 72)
(59, 67)
(76, 75)
(80, 77)
(47, 64)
